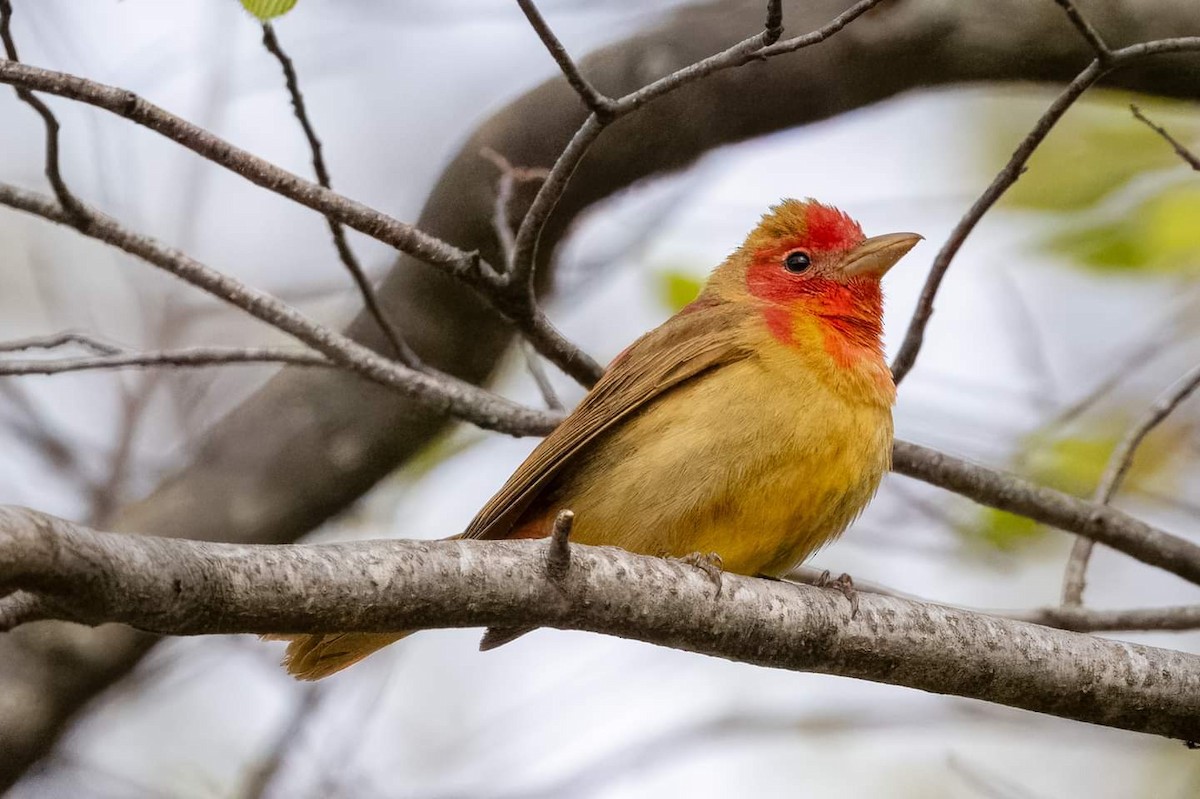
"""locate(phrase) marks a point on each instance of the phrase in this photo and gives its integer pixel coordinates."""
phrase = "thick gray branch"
(189, 588)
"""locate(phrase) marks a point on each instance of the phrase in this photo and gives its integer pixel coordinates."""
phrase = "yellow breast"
(761, 461)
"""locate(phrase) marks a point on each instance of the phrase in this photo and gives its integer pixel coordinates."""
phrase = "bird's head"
(815, 277)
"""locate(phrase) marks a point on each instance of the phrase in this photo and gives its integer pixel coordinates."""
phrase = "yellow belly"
(759, 462)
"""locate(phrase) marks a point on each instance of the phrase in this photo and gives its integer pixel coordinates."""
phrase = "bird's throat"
(844, 339)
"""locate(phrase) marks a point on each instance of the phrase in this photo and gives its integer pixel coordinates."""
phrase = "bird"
(742, 434)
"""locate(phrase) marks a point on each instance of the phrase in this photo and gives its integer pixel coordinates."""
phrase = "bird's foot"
(844, 584)
(709, 563)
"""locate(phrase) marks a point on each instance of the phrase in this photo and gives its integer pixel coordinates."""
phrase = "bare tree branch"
(596, 102)
(774, 24)
(758, 47)
(1143, 353)
(438, 390)
(259, 171)
(1091, 620)
(1081, 620)
(55, 340)
(188, 587)
(399, 346)
(1010, 493)
(1089, 33)
(986, 784)
(1118, 466)
(914, 337)
(69, 202)
(262, 776)
(513, 292)
(1192, 160)
(516, 290)
(1122, 457)
(191, 357)
(534, 367)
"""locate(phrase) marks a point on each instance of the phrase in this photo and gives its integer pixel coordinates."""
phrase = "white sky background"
(393, 88)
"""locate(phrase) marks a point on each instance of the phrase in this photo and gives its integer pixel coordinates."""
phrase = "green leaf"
(268, 9)
(676, 288)
(1162, 235)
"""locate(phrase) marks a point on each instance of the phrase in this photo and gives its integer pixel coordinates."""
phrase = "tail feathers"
(311, 657)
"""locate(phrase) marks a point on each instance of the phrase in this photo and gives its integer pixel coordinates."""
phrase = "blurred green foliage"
(268, 9)
(677, 287)
(1095, 151)
(1096, 148)
(1075, 465)
(1161, 234)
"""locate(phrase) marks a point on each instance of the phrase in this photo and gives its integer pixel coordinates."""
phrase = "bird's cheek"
(780, 324)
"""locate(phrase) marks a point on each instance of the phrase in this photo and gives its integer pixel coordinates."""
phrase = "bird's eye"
(797, 261)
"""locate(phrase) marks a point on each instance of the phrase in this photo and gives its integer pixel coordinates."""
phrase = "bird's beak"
(875, 256)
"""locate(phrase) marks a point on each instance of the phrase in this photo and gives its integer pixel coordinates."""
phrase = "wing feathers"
(701, 337)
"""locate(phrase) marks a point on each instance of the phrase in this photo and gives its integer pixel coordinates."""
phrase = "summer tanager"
(755, 424)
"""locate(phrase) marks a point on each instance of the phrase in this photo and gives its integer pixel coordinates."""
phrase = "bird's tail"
(311, 657)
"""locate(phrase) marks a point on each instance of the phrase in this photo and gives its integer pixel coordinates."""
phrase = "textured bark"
(190, 587)
(311, 442)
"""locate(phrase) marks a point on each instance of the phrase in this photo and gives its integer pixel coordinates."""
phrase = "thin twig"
(1183, 152)
(985, 784)
(761, 45)
(914, 337)
(1007, 176)
(466, 266)
(517, 287)
(191, 357)
(262, 776)
(534, 367)
(1091, 620)
(399, 345)
(596, 102)
(501, 223)
(558, 550)
(1176, 618)
(69, 201)
(39, 434)
(1114, 473)
(23, 607)
(108, 494)
(438, 391)
(774, 25)
(510, 176)
(55, 340)
(1093, 37)
(1028, 342)
(1151, 346)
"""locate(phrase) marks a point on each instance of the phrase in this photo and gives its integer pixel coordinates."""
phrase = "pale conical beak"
(875, 256)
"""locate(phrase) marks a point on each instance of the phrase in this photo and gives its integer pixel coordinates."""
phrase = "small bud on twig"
(558, 554)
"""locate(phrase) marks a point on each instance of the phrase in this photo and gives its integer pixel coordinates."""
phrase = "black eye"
(797, 262)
